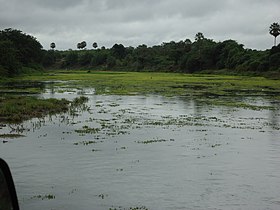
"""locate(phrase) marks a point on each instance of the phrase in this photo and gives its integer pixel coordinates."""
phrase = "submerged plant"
(11, 135)
(154, 141)
(44, 197)
(85, 129)
(85, 142)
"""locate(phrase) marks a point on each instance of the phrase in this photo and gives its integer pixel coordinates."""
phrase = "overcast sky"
(135, 22)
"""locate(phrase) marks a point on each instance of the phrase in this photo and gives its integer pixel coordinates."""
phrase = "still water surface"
(147, 151)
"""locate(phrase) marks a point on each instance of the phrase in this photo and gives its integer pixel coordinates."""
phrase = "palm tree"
(199, 36)
(81, 45)
(94, 45)
(274, 30)
(52, 45)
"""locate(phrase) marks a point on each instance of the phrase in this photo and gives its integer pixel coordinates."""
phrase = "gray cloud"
(134, 22)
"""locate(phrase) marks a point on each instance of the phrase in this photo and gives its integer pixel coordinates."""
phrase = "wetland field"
(149, 141)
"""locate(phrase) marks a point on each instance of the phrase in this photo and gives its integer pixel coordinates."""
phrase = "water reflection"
(274, 114)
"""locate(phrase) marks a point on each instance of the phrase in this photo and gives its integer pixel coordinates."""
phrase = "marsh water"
(150, 152)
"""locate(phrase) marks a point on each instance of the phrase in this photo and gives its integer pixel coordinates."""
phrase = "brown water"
(152, 151)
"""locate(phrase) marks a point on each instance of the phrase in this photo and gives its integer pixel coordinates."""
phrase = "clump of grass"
(43, 197)
(87, 129)
(16, 109)
(139, 208)
(78, 104)
(79, 101)
(85, 143)
(130, 208)
(153, 141)
(11, 135)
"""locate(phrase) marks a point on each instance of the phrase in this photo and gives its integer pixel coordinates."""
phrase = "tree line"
(183, 56)
(19, 51)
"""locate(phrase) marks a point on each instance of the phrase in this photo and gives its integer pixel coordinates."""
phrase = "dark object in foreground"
(8, 195)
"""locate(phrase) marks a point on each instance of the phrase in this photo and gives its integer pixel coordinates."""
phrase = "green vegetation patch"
(219, 90)
(16, 109)
(170, 84)
(79, 101)
(11, 135)
(237, 104)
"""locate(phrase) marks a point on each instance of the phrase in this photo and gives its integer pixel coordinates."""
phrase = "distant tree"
(52, 45)
(49, 57)
(111, 62)
(99, 58)
(188, 45)
(195, 60)
(274, 30)
(188, 42)
(118, 50)
(71, 59)
(143, 57)
(29, 49)
(174, 50)
(9, 63)
(18, 50)
(228, 54)
(274, 57)
(81, 45)
(199, 36)
(84, 59)
(84, 44)
(94, 45)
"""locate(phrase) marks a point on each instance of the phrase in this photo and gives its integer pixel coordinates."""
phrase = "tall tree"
(274, 30)
(199, 36)
(118, 50)
(52, 45)
(29, 49)
(81, 45)
(94, 45)
(9, 63)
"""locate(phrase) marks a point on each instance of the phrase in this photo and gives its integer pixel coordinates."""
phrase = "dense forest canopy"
(19, 51)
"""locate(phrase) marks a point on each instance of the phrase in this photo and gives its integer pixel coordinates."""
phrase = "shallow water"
(147, 151)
